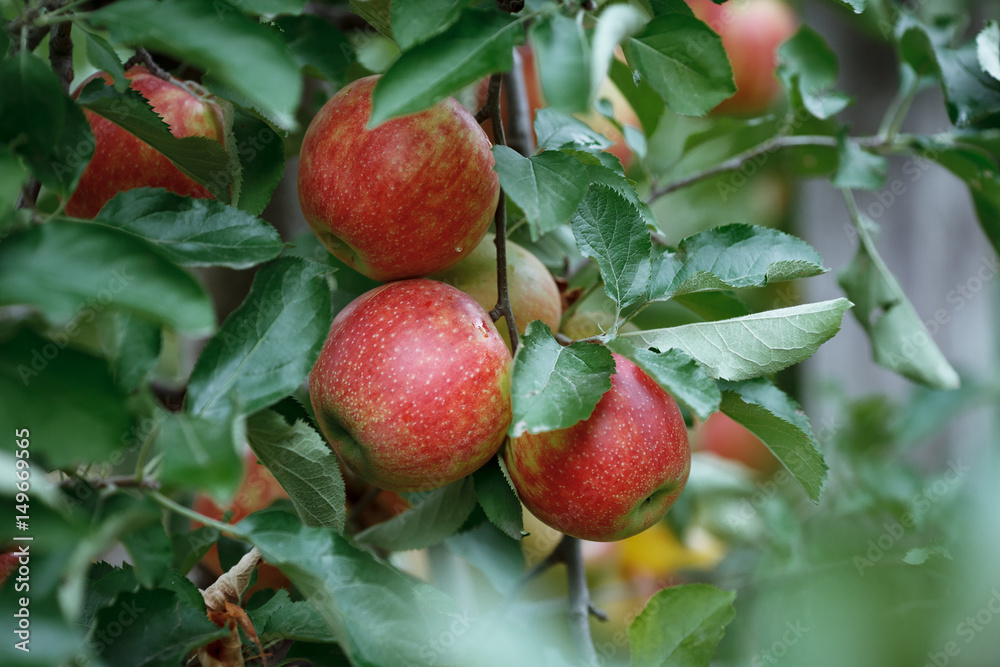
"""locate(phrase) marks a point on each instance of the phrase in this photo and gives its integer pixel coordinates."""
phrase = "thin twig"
(515, 88)
(142, 57)
(773, 144)
(502, 309)
(569, 551)
(61, 53)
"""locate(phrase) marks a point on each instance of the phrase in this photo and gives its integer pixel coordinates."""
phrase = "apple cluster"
(412, 386)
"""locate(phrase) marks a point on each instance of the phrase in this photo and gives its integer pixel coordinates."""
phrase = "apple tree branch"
(502, 309)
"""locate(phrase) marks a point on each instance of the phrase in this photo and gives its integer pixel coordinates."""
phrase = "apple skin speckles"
(418, 376)
(407, 198)
(612, 475)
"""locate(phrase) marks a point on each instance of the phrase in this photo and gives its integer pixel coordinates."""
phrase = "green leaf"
(192, 232)
(440, 514)
(267, 346)
(379, 615)
(200, 158)
(547, 187)
(646, 103)
(303, 464)
(858, 169)
(562, 57)
(691, 81)
(415, 21)
(202, 453)
(978, 172)
(271, 7)
(239, 52)
(678, 374)
(681, 626)
(376, 12)
(151, 552)
(478, 44)
(972, 95)
(102, 56)
(808, 68)
(499, 558)
(554, 387)
(988, 49)
(280, 618)
(261, 155)
(42, 124)
(12, 177)
(497, 498)
(132, 346)
(732, 257)
(713, 305)
(611, 230)
(615, 23)
(760, 344)
(857, 5)
(40, 378)
(318, 47)
(780, 423)
(152, 628)
(900, 340)
(64, 267)
(556, 130)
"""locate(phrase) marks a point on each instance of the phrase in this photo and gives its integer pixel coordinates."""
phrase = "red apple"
(412, 196)
(122, 161)
(533, 292)
(417, 374)
(751, 31)
(257, 491)
(729, 439)
(613, 474)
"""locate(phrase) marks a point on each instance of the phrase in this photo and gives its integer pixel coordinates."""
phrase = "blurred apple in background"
(532, 290)
(257, 491)
(724, 437)
(751, 32)
(122, 161)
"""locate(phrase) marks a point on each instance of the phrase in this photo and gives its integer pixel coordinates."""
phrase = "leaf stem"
(177, 508)
(895, 114)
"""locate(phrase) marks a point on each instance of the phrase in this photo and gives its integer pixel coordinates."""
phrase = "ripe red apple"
(751, 31)
(729, 439)
(257, 491)
(612, 475)
(533, 292)
(419, 377)
(122, 161)
(412, 196)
